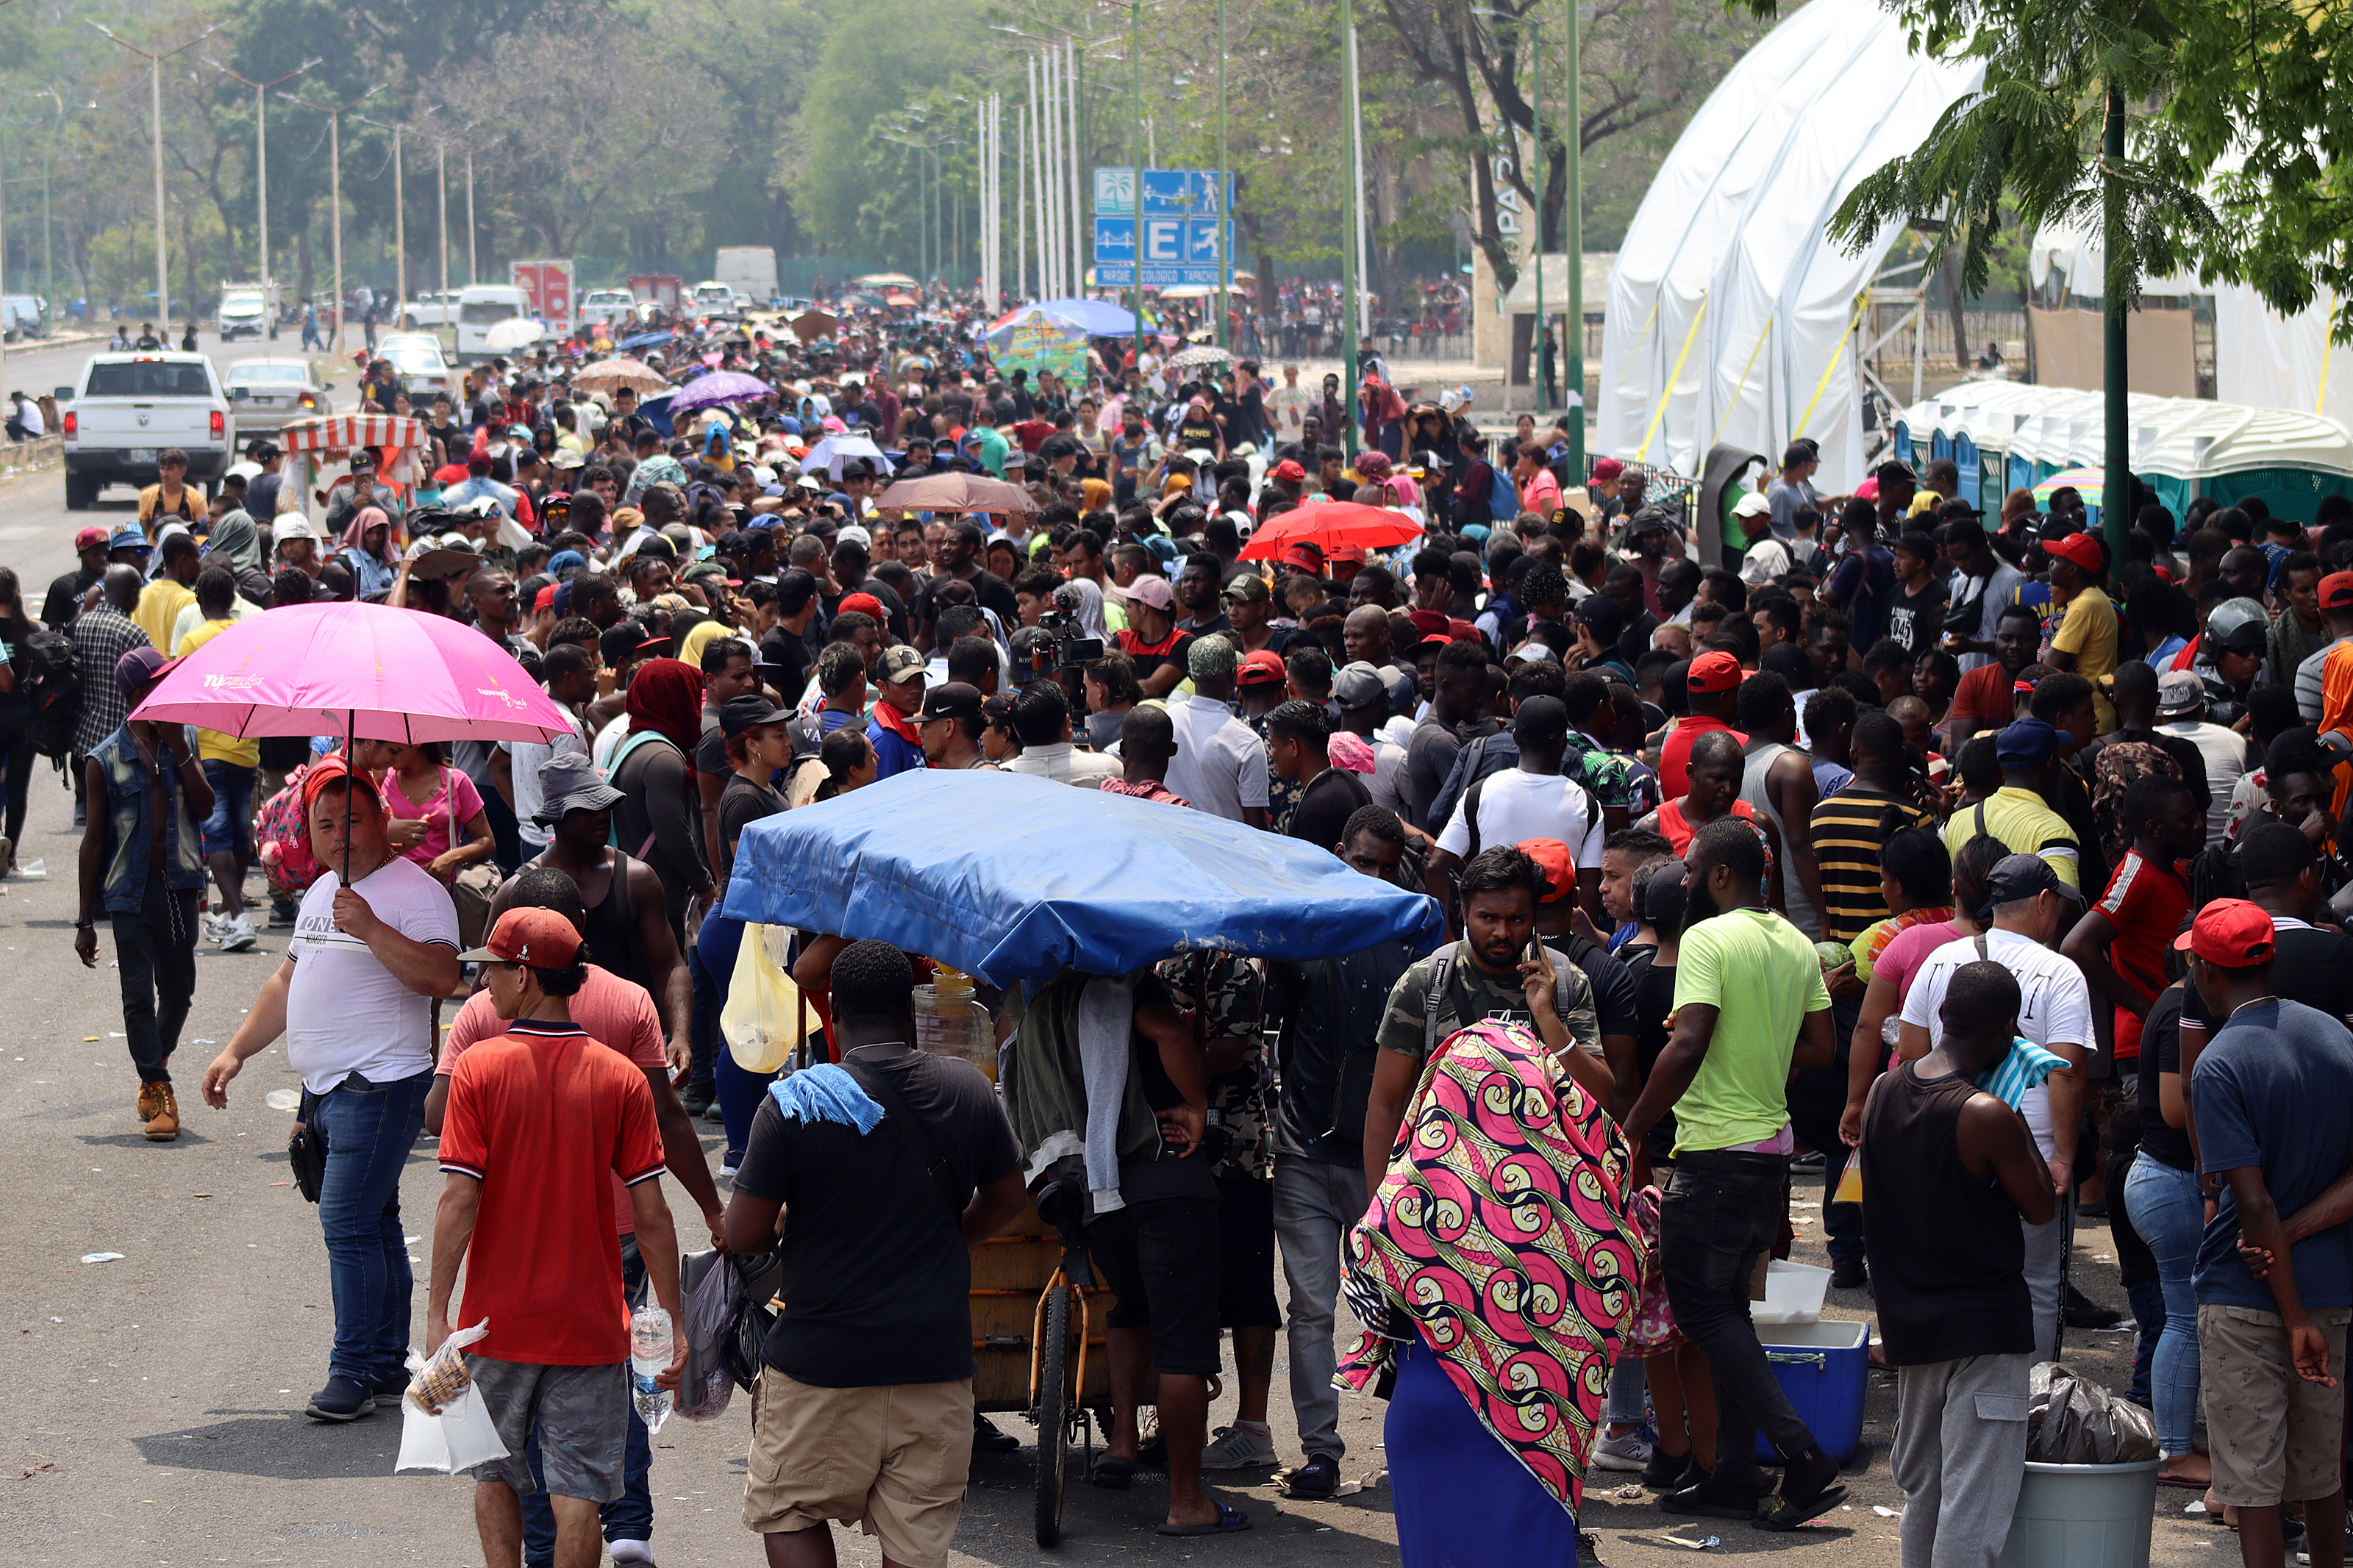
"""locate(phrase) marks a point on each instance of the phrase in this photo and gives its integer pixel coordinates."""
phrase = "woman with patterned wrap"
(1498, 1268)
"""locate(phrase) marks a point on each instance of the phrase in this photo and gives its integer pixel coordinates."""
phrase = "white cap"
(289, 525)
(1751, 505)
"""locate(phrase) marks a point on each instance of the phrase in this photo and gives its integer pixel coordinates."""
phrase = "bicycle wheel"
(1053, 1414)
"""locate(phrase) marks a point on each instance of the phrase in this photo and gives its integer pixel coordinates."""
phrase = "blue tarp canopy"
(1102, 318)
(654, 339)
(1015, 879)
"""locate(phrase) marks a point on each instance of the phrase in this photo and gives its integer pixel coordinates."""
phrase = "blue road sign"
(1168, 193)
(1175, 250)
(1115, 240)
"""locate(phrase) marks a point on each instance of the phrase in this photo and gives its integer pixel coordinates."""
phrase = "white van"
(479, 308)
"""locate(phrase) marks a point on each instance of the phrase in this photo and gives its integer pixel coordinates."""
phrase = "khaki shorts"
(892, 1460)
(2275, 1437)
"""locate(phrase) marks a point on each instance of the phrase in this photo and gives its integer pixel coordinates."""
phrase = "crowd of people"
(1896, 833)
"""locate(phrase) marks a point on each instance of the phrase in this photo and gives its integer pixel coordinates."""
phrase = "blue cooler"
(1824, 1368)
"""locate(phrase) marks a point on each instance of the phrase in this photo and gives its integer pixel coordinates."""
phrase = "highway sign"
(1175, 250)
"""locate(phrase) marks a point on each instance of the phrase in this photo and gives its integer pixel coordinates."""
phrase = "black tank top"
(613, 942)
(1947, 1258)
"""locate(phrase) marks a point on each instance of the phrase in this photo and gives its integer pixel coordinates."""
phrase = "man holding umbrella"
(376, 939)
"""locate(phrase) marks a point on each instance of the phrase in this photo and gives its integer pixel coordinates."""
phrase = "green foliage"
(854, 191)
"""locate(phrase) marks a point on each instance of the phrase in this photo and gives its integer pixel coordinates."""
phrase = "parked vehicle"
(429, 310)
(610, 306)
(481, 307)
(269, 393)
(126, 408)
(23, 316)
(749, 269)
(713, 298)
(416, 358)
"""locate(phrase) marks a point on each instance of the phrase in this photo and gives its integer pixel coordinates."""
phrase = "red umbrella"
(1332, 525)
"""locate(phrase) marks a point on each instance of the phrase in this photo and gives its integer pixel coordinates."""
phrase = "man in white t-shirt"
(1533, 800)
(353, 999)
(2031, 906)
(571, 676)
(2181, 710)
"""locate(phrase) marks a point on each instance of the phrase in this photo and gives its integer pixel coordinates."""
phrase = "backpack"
(1503, 496)
(1474, 761)
(281, 839)
(1470, 808)
(48, 667)
(2113, 771)
(1564, 993)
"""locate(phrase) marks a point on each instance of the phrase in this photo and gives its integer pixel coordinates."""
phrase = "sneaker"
(633, 1552)
(715, 1114)
(1848, 1274)
(161, 1112)
(1630, 1452)
(1712, 1500)
(8, 855)
(695, 1106)
(283, 916)
(212, 926)
(341, 1400)
(1314, 1481)
(1236, 1447)
(237, 933)
(2082, 1312)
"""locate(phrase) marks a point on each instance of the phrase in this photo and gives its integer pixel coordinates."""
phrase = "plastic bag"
(764, 1018)
(704, 1386)
(2072, 1421)
(444, 1425)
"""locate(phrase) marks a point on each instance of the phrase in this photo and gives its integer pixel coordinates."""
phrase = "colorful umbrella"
(613, 374)
(956, 493)
(1102, 318)
(1332, 525)
(835, 450)
(716, 390)
(2091, 481)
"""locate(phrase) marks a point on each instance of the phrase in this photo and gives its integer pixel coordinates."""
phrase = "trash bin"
(2083, 1516)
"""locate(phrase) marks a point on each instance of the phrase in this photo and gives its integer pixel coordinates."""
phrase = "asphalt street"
(155, 1398)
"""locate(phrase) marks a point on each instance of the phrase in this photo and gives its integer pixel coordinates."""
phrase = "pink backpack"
(283, 838)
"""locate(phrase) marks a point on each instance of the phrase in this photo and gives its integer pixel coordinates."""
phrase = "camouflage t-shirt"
(1239, 1101)
(1471, 995)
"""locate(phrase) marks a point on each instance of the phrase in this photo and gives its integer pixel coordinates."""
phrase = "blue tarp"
(1102, 318)
(654, 339)
(1015, 879)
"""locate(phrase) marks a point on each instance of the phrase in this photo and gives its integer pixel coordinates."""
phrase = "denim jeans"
(2147, 1299)
(703, 1034)
(737, 1091)
(630, 1515)
(230, 829)
(1314, 1206)
(1721, 1214)
(2166, 1209)
(369, 1129)
(155, 955)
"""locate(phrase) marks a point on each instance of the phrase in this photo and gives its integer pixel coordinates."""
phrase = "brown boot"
(163, 1112)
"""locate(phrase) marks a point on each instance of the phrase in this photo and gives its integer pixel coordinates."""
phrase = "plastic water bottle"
(650, 1357)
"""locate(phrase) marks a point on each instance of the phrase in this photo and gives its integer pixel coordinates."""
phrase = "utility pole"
(1573, 143)
(261, 169)
(1136, 169)
(399, 218)
(1348, 279)
(2116, 475)
(334, 113)
(473, 268)
(155, 104)
(441, 182)
(1224, 305)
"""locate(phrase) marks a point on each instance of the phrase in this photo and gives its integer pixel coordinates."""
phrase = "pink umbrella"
(363, 671)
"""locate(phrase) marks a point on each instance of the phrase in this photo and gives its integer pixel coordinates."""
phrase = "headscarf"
(659, 470)
(355, 533)
(235, 540)
(1381, 405)
(1501, 1237)
(666, 698)
(1096, 494)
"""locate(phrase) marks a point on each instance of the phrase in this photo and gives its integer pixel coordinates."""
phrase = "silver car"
(271, 394)
(422, 365)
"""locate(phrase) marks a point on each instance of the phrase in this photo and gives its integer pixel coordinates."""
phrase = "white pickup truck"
(128, 409)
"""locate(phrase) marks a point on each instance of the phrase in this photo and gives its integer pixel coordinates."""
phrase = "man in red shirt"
(1985, 699)
(2120, 945)
(536, 1118)
(1714, 684)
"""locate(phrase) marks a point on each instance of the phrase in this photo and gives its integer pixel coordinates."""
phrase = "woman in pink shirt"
(1540, 490)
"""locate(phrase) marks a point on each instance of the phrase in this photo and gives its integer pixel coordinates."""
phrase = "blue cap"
(565, 561)
(841, 499)
(127, 538)
(1478, 531)
(2028, 741)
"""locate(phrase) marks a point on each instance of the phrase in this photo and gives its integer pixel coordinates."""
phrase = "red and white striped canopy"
(341, 432)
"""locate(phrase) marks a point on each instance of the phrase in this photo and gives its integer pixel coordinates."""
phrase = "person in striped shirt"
(1850, 828)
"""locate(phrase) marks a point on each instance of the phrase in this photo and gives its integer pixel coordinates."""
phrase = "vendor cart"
(901, 863)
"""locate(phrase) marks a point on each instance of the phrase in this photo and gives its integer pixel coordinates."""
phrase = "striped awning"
(341, 432)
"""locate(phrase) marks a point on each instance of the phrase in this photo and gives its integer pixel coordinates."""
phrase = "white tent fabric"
(2281, 362)
(2178, 437)
(1731, 313)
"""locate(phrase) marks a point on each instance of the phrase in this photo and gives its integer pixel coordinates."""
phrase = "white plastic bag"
(444, 1425)
(765, 1018)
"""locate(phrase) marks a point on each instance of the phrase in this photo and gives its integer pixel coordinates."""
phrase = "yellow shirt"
(160, 603)
(2025, 824)
(212, 746)
(2089, 632)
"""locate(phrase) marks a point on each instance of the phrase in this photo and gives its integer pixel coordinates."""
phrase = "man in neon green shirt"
(1749, 1005)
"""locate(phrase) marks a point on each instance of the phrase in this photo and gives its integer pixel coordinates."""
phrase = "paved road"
(155, 1399)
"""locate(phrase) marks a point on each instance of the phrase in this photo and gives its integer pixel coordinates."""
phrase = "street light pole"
(441, 223)
(334, 115)
(1574, 244)
(1348, 279)
(1135, 173)
(473, 266)
(1223, 305)
(155, 105)
(261, 170)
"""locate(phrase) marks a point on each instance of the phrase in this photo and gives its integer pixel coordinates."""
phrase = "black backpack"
(48, 667)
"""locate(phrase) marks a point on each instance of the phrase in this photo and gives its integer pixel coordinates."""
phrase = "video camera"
(1071, 648)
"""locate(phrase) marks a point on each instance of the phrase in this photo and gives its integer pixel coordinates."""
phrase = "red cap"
(540, 938)
(865, 604)
(2337, 591)
(1607, 468)
(1347, 555)
(1259, 668)
(1558, 865)
(333, 768)
(1305, 556)
(2231, 932)
(2082, 549)
(1715, 670)
(546, 599)
(89, 538)
(1287, 469)
(1430, 622)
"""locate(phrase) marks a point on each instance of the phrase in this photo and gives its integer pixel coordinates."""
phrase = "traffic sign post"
(1179, 244)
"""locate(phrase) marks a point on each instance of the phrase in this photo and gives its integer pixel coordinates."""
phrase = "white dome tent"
(1732, 315)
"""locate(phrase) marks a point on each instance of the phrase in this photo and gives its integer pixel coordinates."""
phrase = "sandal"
(1113, 1475)
(1230, 1519)
(1782, 1514)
